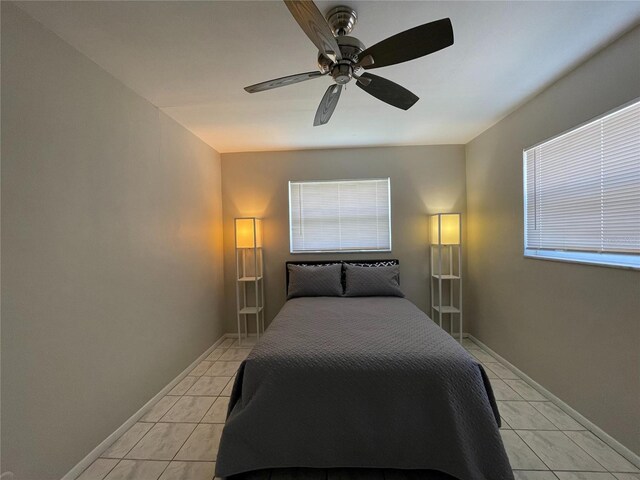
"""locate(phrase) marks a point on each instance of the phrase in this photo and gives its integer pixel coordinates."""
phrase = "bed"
(359, 383)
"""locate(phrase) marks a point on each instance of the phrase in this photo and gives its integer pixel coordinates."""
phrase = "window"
(582, 193)
(340, 216)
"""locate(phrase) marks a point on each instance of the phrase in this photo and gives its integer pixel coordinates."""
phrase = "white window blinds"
(582, 191)
(340, 216)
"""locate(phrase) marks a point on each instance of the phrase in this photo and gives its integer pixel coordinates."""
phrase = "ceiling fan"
(345, 58)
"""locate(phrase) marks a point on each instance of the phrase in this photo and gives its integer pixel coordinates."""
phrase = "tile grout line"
(80, 467)
(532, 451)
(183, 444)
(583, 429)
(545, 399)
(200, 421)
(541, 459)
(137, 442)
(591, 427)
(163, 470)
(160, 421)
(110, 470)
(563, 431)
(543, 430)
(513, 429)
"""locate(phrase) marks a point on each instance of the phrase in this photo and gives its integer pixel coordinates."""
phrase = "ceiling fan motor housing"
(342, 71)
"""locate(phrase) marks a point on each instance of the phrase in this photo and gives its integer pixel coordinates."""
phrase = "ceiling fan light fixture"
(342, 73)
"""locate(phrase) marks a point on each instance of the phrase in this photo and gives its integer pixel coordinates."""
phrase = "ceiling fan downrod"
(342, 20)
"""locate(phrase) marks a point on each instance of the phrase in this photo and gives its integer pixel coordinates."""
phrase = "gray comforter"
(361, 382)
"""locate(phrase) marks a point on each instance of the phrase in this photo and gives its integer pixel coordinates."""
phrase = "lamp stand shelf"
(249, 276)
(446, 269)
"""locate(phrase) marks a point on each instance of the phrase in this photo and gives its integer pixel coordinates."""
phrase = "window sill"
(611, 260)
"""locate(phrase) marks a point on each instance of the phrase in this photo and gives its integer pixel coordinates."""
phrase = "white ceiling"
(192, 59)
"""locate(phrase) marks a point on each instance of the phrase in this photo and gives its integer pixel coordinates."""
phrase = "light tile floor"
(178, 438)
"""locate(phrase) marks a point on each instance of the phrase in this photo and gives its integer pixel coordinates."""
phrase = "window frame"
(625, 261)
(303, 252)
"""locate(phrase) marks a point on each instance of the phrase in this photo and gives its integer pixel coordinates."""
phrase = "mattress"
(365, 382)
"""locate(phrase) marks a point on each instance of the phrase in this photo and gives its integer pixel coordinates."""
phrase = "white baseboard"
(82, 465)
(578, 417)
(235, 335)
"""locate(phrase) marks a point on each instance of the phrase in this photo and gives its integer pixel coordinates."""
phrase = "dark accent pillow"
(377, 263)
(315, 281)
(372, 281)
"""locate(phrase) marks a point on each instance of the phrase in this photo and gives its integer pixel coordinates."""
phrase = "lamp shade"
(445, 229)
(248, 232)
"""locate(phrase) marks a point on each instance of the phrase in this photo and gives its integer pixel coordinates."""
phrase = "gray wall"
(573, 328)
(424, 180)
(111, 251)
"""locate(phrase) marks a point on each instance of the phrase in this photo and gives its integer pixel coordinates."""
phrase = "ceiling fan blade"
(387, 91)
(315, 26)
(282, 81)
(409, 45)
(327, 104)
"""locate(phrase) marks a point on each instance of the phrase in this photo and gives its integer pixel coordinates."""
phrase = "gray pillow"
(373, 281)
(315, 281)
